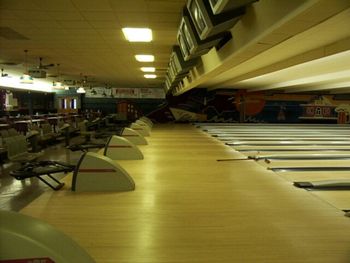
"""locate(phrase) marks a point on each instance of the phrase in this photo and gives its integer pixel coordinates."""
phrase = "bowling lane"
(313, 175)
(316, 154)
(289, 148)
(272, 126)
(337, 198)
(285, 164)
(274, 139)
(287, 143)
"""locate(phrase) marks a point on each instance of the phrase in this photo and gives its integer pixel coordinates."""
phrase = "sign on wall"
(125, 93)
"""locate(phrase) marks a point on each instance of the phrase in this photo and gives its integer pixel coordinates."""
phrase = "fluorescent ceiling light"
(26, 79)
(144, 58)
(81, 90)
(150, 76)
(137, 34)
(148, 69)
(58, 85)
(15, 83)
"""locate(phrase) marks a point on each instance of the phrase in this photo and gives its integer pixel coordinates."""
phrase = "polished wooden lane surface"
(187, 207)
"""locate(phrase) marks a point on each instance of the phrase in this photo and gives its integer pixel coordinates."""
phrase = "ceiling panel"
(19, 5)
(127, 6)
(100, 16)
(133, 19)
(29, 15)
(71, 15)
(105, 24)
(92, 5)
(74, 24)
(164, 6)
(62, 5)
(85, 36)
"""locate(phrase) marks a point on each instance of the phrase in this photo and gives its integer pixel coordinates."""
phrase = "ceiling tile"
(165, 6)
(62, 5)
(52, 24)
(16, 24)
(18, 5)
(6, 14)
(138, 19)
(165, 17)
(126, 6)
(31, 15)
(99, 16)
(107, 24)
(71, 15)
(92, 5)
(74, 24)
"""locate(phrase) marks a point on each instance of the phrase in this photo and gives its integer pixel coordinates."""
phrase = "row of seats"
(8, 133)
(17, 150)
(43, 135)
(94, 171)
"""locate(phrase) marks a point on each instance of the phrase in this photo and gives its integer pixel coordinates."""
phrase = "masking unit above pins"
(208, 24)
(181, 66)
(189, 41)
(222, 6)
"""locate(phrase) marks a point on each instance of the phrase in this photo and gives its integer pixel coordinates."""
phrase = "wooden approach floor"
(187, 207)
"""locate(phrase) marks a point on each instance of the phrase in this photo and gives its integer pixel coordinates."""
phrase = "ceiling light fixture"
(57, 85)
(137, 34)
(14, 83)
(148, 69)
(25, 78)
(150, 76)
(144, 58)
(81, 90)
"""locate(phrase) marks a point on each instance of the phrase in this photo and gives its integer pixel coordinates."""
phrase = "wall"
(239, 106)
(109, 105)
(30, 103)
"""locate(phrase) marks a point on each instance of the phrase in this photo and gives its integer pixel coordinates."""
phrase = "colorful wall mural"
(255, 107)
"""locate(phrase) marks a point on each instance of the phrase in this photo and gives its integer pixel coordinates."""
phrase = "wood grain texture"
(187, 207)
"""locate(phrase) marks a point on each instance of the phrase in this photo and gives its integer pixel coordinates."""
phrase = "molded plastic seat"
(17, 150)
(22, 236)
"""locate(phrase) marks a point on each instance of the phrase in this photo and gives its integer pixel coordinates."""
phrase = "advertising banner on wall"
(125, 93)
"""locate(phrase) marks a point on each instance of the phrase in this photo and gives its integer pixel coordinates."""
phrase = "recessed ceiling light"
(137, 34)
(148, 69)
(81, 90)
(150, 76)
(144, 58)
(26, 79)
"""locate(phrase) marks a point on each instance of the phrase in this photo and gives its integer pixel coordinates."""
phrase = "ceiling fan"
(3, 75)
(42, 66)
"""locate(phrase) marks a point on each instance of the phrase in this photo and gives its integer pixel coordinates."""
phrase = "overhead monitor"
(207, 23)
(167, 82)
(181, 66)
(222, 6)
(189, 41)
(175, 75)
(171, 74)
